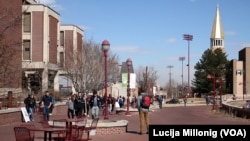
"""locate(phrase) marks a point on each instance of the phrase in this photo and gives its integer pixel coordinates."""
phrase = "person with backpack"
(120, 101)
(143, 104)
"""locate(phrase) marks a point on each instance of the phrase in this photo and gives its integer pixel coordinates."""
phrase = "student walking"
(46, 103)
(95, 104)
(143, 103)
(70, 103)
(30, 104)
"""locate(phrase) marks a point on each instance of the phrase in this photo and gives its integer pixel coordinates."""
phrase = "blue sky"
(150, 31)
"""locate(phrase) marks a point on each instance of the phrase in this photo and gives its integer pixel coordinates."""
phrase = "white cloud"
(171, 40)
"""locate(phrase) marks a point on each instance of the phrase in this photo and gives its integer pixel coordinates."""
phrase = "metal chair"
(92, 126)
(77, 133)
(60, 123)
(29, 126)
(22, 134)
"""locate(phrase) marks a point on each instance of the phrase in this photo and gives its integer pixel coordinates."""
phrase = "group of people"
(46, 104)
(80, 104)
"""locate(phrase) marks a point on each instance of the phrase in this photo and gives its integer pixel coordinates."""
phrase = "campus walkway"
(175, 114)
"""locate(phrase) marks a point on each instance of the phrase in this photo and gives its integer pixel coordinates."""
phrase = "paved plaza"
(175, 114)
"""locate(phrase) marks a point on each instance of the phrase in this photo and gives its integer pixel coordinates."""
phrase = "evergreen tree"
(214, 63)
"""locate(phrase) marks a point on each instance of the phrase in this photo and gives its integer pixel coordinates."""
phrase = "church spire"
(217, 35)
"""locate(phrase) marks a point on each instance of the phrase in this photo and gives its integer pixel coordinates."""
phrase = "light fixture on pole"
(189, 38)
(129, 63)
(170, 85)
(181, 59)
(105, 48)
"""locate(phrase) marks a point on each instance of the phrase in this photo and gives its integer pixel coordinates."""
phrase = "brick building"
(40, 49)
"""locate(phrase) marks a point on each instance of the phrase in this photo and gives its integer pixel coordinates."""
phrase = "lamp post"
(182, 59)
(210, 76)
(129, 63)
(170, 87)
(105, 48)
(189, 38)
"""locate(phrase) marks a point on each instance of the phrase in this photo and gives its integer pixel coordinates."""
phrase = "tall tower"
(217, 35)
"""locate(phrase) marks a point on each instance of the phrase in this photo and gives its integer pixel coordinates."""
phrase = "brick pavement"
(168, 115)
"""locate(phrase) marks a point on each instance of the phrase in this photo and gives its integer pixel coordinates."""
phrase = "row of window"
(27, 45)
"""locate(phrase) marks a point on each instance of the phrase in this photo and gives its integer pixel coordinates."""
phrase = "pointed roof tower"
(217, 35)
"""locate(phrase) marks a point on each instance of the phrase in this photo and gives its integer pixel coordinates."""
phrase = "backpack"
(146, 101)
(120, 101)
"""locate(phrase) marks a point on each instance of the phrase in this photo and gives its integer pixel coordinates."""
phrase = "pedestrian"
(110, 103)
(30, 104)
(46, 103)
(185, 100)
(53, 102)
(95, 104)
(121, 101)
(86, 105)
(160, 99)
(78, 103)
(207, 100)
(70, 103)
(143, 110)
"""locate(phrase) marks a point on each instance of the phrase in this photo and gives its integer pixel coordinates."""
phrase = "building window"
(61, 59)
(26, 50)
(26, 22)
(61, 38)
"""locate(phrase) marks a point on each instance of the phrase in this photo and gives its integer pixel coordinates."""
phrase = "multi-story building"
(71, 41)
(245, 69)
(43, 46)
(40, 34)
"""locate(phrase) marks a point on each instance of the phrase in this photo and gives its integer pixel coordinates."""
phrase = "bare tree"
(10, 47)
(146, 76)
(86, 69)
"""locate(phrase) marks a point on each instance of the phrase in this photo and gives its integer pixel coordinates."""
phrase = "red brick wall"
(37, 36)
(11, 117)
(53, 40)
(68, 48)
(111, 130)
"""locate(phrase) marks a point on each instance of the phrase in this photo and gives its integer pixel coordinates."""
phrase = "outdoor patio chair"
(22, 134)
(92, 127)
(77, 133)
(59, 123)
(29, 126)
